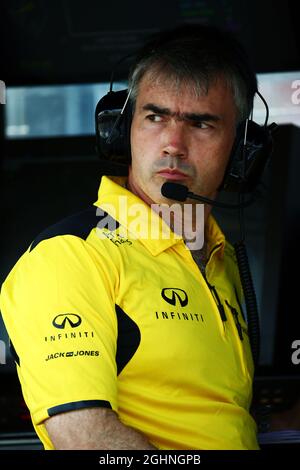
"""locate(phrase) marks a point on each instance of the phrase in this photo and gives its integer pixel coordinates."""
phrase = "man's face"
(180, 137)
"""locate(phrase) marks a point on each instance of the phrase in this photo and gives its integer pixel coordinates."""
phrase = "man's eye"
(154, 117)
(201, 125)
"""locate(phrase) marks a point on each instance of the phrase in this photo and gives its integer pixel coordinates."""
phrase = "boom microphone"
(179, 192)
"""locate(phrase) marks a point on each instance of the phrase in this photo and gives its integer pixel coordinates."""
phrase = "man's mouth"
(172, 174)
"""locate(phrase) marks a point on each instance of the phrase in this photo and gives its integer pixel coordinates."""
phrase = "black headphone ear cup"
(112, 127)
(247, 160)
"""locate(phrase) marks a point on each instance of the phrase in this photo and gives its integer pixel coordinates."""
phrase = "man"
(131, 341)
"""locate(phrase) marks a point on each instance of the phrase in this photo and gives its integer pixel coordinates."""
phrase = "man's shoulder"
(79, 225)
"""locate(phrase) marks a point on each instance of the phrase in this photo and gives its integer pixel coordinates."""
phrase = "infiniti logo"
(61, 320)
(173, 295)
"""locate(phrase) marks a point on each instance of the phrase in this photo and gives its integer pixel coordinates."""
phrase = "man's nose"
(175, 140)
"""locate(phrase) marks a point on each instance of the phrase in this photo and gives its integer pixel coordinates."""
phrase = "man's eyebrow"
(196, 117)
(157, 109)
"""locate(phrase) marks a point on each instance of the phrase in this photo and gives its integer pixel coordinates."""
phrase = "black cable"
(266, 106)
(250, 299)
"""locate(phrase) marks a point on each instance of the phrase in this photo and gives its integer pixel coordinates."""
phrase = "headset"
(250, 152)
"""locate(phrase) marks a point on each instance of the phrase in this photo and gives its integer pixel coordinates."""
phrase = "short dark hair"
(200, 54)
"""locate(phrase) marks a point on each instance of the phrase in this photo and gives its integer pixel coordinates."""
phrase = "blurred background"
(56, 59)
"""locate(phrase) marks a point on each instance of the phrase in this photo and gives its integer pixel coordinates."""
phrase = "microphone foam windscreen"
(175, 191)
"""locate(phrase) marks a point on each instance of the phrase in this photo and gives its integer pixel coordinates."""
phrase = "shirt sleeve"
(59, 310)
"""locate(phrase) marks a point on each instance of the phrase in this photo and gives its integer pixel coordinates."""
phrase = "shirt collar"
(215, 238)
(132, 213)
(135, 215)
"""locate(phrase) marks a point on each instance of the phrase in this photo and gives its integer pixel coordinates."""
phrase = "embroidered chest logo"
(175, 296)
(178, 298)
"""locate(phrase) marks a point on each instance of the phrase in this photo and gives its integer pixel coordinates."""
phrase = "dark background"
(80, 41)
(43, 180)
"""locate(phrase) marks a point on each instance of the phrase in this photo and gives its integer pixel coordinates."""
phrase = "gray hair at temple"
(197, 55)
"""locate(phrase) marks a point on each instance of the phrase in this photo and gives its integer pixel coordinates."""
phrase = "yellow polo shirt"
(99, 318)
